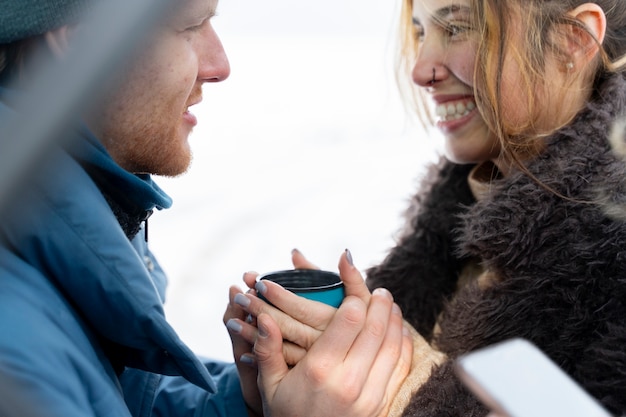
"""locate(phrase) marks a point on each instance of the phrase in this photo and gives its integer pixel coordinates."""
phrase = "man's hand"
(354, 368)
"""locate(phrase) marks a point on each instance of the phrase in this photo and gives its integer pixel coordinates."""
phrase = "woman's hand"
(353, 281)
(354, 368)
(241, 325)
(242, 352)
(301, 321)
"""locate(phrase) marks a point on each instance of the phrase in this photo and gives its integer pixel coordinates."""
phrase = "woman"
(512, 234)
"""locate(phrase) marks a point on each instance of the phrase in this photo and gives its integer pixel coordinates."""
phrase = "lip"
(446, 98)
(188, 116)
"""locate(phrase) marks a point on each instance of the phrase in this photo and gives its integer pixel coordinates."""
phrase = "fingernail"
(247, 359)
(261, 287)
(395, 309)
(262, 331)
(349, 257)
(242, 300)
(249, 273)
(295, 251)
(234, 325)
(249, 318)
(381, 291)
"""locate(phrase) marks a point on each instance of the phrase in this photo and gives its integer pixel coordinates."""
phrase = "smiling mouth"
(454, 110)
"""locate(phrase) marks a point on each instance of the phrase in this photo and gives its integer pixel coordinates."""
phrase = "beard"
(153, 140)
(158, 153)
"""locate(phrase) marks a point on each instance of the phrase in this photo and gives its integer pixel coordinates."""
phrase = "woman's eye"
(418, 33)
(455, 30)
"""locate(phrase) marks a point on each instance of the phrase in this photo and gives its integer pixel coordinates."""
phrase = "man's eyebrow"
(202, 11)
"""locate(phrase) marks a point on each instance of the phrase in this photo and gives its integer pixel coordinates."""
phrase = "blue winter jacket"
(82, 328)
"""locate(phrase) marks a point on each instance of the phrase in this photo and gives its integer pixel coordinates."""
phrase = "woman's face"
(444, 69)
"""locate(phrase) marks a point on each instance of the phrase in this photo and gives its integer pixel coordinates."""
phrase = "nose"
(430, 66)
(213, 62)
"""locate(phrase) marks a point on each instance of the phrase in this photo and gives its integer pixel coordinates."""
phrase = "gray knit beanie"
(21, 19)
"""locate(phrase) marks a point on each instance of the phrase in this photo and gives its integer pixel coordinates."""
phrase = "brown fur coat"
(560, 262)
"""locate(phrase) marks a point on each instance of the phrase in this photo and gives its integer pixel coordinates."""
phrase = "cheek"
(515, 110)
(170, 63)
(461, 62)
(522, 101)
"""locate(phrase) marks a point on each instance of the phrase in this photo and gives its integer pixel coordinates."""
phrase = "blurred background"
(307, 145)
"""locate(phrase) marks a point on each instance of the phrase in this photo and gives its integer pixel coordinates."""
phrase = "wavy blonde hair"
(543, 21)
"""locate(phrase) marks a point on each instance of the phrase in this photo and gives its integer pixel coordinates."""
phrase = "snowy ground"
(306, 145)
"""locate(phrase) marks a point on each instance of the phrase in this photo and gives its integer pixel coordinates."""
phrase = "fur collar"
(524, 226)
(521, 227)
(560, 263)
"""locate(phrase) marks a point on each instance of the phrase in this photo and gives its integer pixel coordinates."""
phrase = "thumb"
(299, 261)
(352, 279)
(268, 350)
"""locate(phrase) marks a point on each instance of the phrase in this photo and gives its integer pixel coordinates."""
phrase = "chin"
(453, 155)
(170, 165)
(471, 150)
(175, 170)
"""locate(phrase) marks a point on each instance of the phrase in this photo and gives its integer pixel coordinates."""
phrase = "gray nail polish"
(261, 287)
(242, 300)
(247, 359)
(234, 325)
(349, 257)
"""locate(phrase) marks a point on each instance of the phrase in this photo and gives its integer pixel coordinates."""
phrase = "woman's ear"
(581, 46)
(58, 40)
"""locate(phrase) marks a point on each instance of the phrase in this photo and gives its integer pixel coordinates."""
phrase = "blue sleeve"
(148, 394)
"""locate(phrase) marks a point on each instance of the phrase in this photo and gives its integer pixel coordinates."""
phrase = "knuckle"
(353, 310)
(350, 391)
(350, 387)
(262, 352)
(376, 328)
(318, 374)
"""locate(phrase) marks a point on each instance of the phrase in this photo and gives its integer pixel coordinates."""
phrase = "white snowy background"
(307, 145)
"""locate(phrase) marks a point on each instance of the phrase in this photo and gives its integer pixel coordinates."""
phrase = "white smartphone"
(516, 379)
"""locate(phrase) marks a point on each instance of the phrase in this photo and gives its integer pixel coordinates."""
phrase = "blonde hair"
(542, 21)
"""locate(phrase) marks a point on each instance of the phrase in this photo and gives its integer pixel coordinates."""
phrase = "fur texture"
(558, 254)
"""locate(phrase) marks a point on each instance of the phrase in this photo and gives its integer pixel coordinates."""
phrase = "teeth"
(453, 111)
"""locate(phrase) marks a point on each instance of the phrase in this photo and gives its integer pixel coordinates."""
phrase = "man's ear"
(58, 40)
(581, 46)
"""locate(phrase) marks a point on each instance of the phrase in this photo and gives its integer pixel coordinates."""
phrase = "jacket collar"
(132, 197)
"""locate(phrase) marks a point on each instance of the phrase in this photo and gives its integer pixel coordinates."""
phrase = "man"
(81, 294)
(83, 329)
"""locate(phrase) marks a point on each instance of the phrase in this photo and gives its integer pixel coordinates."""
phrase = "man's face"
(145, 123)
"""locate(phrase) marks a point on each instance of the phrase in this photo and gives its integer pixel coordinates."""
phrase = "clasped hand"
(305, 358)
